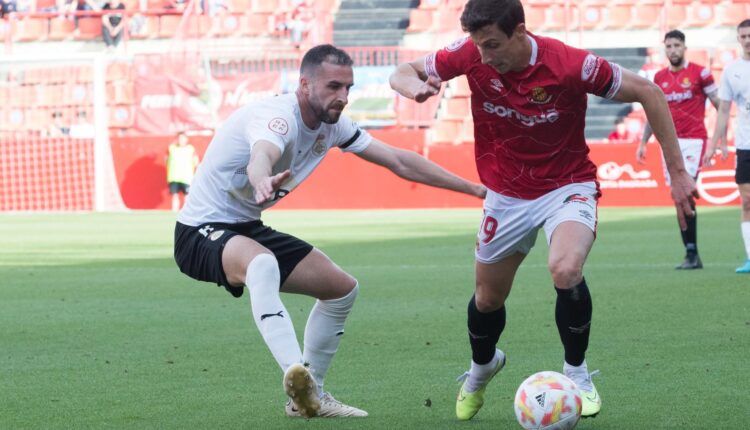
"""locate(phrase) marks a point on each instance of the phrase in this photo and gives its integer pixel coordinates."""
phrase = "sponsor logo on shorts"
(576, 198)
(216, 235)
(585, 214)
(278, 125)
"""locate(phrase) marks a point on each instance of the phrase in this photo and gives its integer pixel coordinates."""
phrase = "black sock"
(690, 235)
(484, 332)
(573, 317)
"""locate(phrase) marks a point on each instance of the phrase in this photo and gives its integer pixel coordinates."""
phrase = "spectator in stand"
(67, 8)
(58, 128)
(83, 128)
(7, 7)
(85, 5)
(620, 134)
(113, 23)
(298, 22)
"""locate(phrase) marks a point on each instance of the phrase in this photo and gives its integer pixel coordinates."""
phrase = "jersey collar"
(534, 50)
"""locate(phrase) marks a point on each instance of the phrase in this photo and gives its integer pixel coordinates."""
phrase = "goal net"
(55, 153)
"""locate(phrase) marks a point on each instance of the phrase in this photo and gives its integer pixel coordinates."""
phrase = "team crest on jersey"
(540, 96)
(686, 83)
(278, 125)
(319, 148)
(455, 46)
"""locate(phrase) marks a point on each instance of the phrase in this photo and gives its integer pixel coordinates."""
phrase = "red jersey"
(686, 91)
(528, 125)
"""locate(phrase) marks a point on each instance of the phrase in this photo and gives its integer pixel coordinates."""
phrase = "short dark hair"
(675, 34)
(745, 23)
(506, 14)
(324, 53)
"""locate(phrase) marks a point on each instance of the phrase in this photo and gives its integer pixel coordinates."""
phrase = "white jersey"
(735, 86)
(221, 191)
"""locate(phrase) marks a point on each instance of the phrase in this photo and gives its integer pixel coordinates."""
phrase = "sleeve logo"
(278, 125)
(589, 65)
(455, 46)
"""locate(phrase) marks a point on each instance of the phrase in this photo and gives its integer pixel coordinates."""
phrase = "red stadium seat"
(466, 135)
(646, 16)
(698, 56)
(29, 29)
(446, 20)
(168, 25)
(89, 28)
(459, 87)
(60, 28)
(676, 16)
(701, 15)
(618, 17)
(255, 24)
(590, 16)
(535, 17)
(445, 132)
(419, 20)
(266, 6)
(457, 108)
(729, 14)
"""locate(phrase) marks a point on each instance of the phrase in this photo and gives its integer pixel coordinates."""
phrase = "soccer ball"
(549, 401)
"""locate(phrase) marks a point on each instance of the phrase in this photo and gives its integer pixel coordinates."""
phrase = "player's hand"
(429, 88)
(708, 157)
(266, 189)
(640, 154)
(724, 150)
(684, 194)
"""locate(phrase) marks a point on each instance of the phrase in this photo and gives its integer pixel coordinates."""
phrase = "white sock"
(746, 236)
(273, 321)
(324, 331)
(479, 374)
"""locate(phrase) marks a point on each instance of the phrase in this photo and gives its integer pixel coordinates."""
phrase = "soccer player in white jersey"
(735, 87)
(260, 154)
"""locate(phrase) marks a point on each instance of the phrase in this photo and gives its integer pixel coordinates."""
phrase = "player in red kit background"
(529, 99)
(686, 87)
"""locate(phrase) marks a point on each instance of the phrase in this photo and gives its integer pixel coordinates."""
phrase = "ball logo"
(278, 125)
(456, 45)
(589, 66)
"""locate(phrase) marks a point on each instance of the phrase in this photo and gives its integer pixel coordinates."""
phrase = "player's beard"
(329, 115)
(677, 62)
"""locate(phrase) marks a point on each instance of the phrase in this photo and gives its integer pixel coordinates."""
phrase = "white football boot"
(300, 386)
(329, 408)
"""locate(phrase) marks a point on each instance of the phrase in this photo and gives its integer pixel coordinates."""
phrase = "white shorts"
(692, 157)
(510, 225)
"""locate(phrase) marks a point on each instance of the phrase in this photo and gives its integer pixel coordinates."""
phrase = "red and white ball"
(548, 400)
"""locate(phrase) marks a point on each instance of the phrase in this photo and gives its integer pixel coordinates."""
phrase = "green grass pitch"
(99, 329)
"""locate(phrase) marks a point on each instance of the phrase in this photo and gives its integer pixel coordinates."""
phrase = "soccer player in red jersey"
(686, 86)
(529, 98)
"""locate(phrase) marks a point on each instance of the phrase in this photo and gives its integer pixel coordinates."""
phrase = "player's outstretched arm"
(411, 81)
(262, 158)
(719, 137)
(413, 167)
(637, 89)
